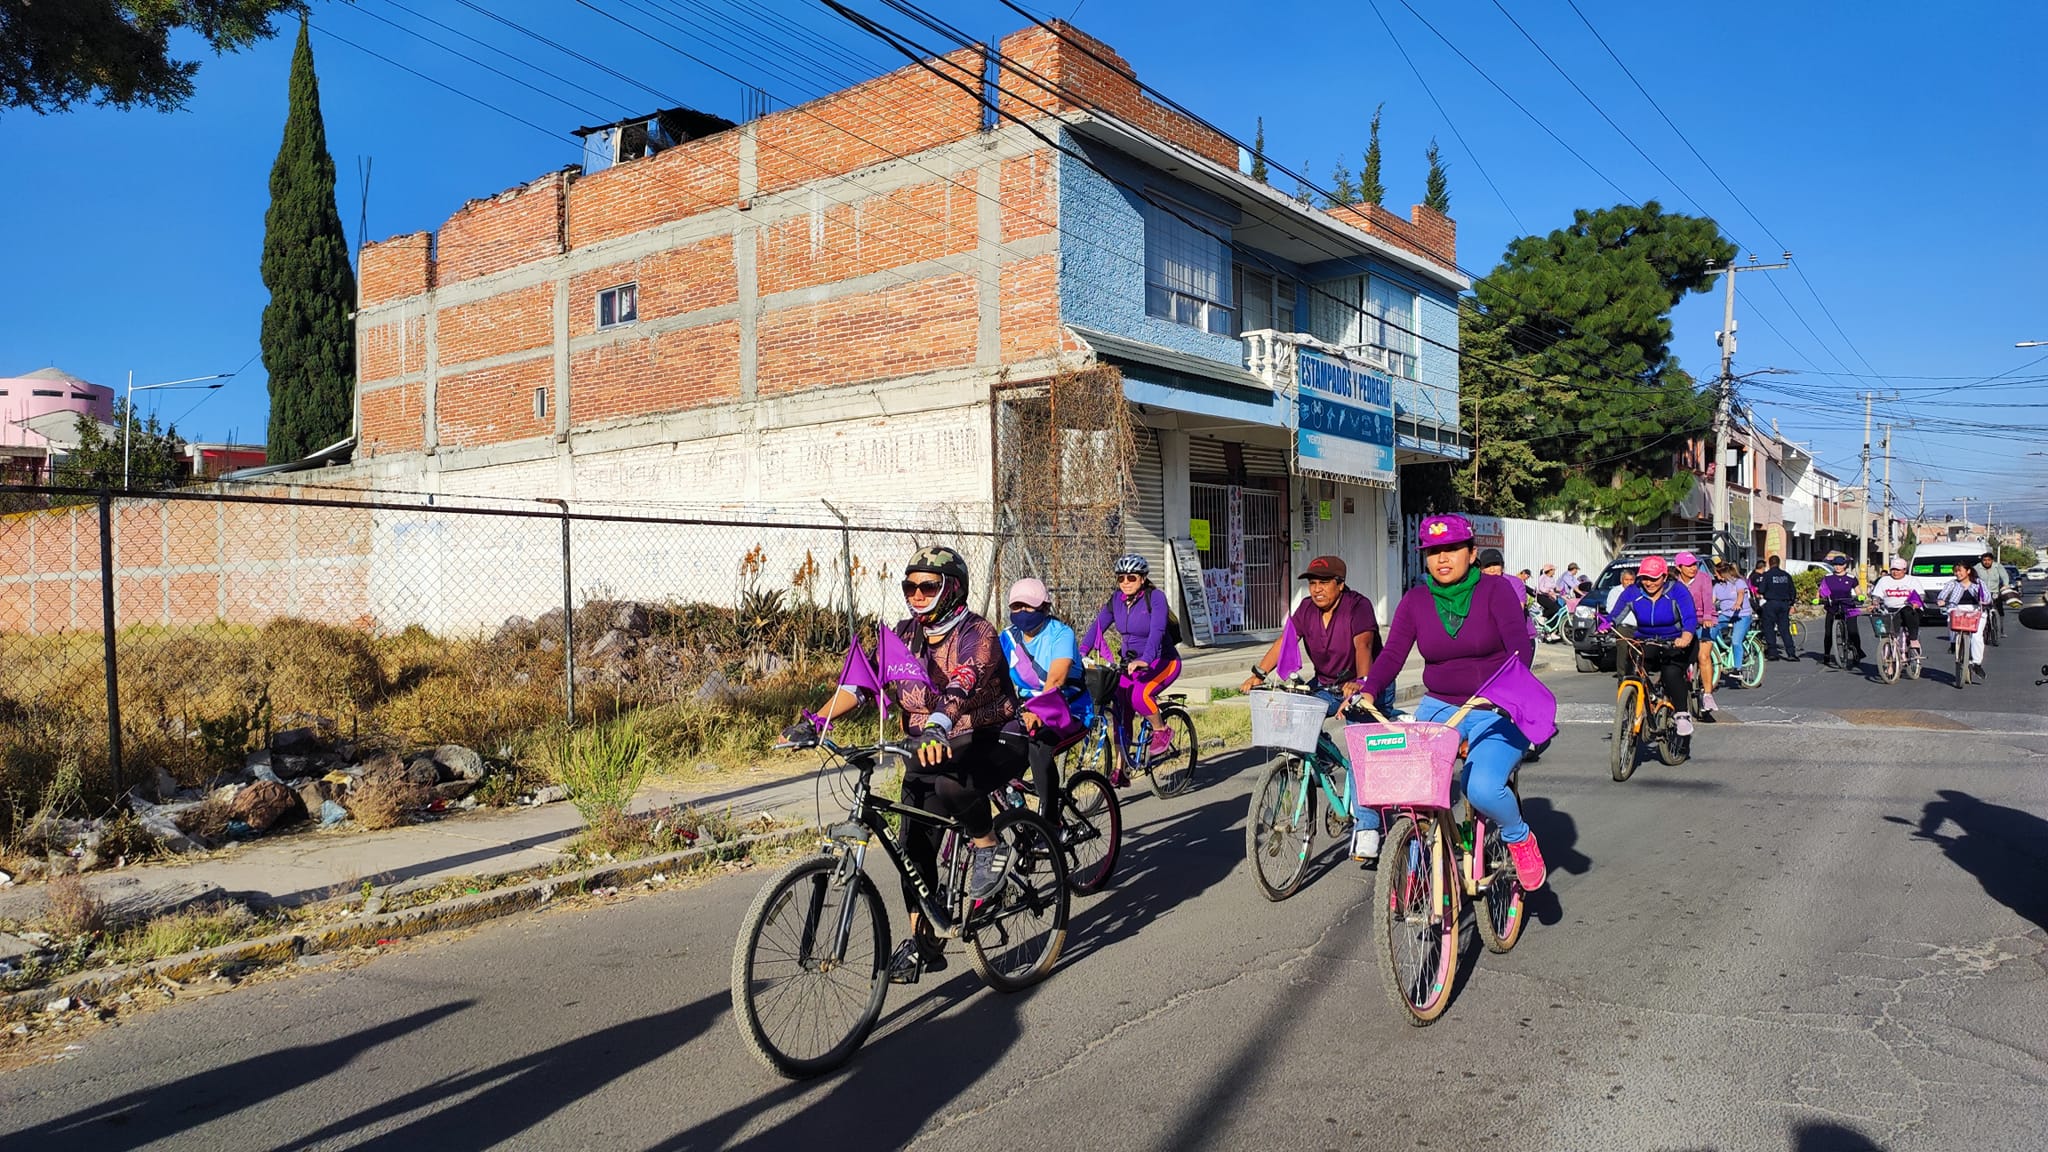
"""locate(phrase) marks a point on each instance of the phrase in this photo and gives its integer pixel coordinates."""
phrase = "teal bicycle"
(1280, 829)
(1748, 672)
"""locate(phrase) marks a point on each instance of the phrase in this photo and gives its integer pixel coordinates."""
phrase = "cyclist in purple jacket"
(1838, 596)
(1139, 613)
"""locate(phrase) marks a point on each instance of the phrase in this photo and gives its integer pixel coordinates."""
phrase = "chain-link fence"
(152, 638)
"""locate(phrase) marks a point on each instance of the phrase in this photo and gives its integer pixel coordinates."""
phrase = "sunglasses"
(1128, 577)
(922, 587)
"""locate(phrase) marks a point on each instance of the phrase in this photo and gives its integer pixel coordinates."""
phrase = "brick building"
(863, 298)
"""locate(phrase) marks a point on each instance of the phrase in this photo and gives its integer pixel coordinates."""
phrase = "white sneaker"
(1685, 724)
(1365, 844)
(1707, 702)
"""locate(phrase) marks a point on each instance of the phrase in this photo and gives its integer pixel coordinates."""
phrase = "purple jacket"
(1142, 624)
(1454, 667)
(1840, 591)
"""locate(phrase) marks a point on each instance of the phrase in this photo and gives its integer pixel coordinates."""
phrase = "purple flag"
(896, 661)
(1052, 709)
(1527, 702)
(858, 674)
(1290, 652)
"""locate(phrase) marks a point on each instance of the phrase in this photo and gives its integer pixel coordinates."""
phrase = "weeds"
(602, 768)
(206, 927)
(73, 910)
(379, 802)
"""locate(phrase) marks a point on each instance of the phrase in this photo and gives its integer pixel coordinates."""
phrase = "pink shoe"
(1162, 743)
(1528, 863)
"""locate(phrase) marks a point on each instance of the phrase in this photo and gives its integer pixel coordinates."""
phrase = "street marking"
(1899, 718)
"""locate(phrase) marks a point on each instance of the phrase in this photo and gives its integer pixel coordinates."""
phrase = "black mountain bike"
(810, 967)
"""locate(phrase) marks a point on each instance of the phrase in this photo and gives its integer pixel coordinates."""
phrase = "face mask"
(1030, 622)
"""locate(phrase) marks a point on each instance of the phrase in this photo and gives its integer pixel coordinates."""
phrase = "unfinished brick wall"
(395, 269)
(388, 351)
(671, 283)
(495, 405)
(1081, 73)
(896, 331)
(516, 321)
(1030, 317)
(840, 241)
(900, 114)
(394, 419)
(684, 181)
(670, 372)
(1426, 233)
(515, 227)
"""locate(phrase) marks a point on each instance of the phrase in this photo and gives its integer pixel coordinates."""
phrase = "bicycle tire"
(1622, 753)
(1889, 663)
(1992, 627)
(1672, 748)
(1962, 646)
(1416, 918)
(1090, 815)
(778, 896)
(1037, 885)
(1284, 845)
(1753, 663)
(1173, 772)
(1502, 920)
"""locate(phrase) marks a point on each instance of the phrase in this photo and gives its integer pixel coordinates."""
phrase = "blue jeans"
(1494, 747)
(1741, 626)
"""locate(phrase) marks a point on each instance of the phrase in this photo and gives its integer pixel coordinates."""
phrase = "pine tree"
(1436, 194)
(1302, 193)
(1259, 153)
(307, 340)
(1370, 189)
(1342, 190)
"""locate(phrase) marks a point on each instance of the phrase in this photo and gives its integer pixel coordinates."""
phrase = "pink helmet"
(1652, 567)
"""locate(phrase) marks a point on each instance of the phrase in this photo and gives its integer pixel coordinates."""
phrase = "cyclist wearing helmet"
(1700, 586)
(1139, 613)
(956, 722)
(1664, 614)
(1468, 626)
(1838, 596)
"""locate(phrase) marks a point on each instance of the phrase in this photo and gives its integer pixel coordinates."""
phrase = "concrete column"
(989, 256)
(745, 255)
(1173, 470)
(431, 372)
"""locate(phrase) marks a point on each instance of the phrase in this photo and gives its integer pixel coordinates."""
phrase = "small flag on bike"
(897, 662)
(858, 675)
(1290, 652)
(1518, 692)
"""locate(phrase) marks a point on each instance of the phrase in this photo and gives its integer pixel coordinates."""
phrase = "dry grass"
(72, 909)
(379, 802)
(188, 931)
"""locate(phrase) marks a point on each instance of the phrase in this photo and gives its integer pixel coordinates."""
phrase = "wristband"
(1258, 671)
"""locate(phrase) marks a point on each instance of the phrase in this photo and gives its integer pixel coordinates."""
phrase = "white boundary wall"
(1533, 543)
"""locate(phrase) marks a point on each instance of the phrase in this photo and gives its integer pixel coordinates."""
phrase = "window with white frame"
(619, 305)
(1370, 317)
(1187, 269)
(1264, 300)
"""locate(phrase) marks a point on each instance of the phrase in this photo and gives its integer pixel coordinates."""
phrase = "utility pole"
(1863, 499)
(1888, 542)
(1724, 402)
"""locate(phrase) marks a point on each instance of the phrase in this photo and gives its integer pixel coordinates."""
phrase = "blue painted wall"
(1434, 394)
(1102, 252)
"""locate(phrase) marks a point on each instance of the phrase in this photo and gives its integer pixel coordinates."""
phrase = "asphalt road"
(1760, 949)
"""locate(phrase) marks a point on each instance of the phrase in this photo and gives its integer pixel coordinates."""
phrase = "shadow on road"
(165, 1112)
(1557, 834)
(1177, 858)
(1829, 1137)
(2002, 847)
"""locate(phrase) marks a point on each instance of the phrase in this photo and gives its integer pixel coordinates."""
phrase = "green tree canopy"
(1258, 171)
(1436, 194)
(1587, 309)
(1343, 190)
(308, 341)
(1370, 189)
(154, 454)
(55, 54)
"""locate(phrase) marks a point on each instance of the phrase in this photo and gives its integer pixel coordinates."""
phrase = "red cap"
(1324, 568)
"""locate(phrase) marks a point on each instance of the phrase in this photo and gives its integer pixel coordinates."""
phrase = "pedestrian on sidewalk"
(1777, 592)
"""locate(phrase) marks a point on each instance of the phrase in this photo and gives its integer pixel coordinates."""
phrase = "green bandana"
(1454, 601)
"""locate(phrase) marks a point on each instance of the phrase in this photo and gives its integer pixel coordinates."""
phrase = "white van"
(1933, 566)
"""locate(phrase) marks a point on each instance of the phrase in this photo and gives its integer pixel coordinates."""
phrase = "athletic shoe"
(1528, 860)
(1684, 724)
(1707, 702)
(1365, 844)
(916, 957)
(1162, 743)
(1118, 778)
(1977, 670)
(991, 868)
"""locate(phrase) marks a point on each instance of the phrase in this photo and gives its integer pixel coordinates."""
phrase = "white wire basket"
(1287, 720)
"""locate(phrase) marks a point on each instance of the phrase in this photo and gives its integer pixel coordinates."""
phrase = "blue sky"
(1898, 153)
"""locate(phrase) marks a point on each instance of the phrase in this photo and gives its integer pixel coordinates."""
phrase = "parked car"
(1592, 646)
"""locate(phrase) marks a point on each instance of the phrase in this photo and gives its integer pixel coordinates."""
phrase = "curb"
(443, 915)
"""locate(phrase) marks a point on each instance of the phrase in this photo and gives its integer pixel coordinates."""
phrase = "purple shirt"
(1330, 647)
(1454, 667)
(1142, 624)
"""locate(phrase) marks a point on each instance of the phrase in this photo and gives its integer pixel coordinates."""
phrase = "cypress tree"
(1370, 189)
(1258, 171)
(1436, 194)
(308, 340)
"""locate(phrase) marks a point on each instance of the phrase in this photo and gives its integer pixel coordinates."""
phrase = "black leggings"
(1672, 664)
(959, 787)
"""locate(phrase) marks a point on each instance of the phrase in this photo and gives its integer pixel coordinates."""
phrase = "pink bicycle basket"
(1964, 619)
(1397, 765)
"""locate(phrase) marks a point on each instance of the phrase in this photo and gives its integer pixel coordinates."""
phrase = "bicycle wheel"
(1672, 748)
(1621, 754)
(800, 1010)
(1091, 828)
(1014, 937)
(1417, 917)
(1172, 772)
(1501, 925)
(1752, 671)
(1991, 627)
(1889, 662)
(1961, 644)
(1280, 827)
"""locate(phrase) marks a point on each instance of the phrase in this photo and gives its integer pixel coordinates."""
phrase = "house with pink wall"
(24, 451)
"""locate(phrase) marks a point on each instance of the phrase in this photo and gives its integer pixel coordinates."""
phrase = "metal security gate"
(1244, 567)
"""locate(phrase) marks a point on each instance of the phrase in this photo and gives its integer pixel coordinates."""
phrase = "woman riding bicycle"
(955, 716)
(1732, 611)
(1901, 596)
(1838, 597)
(1139, 613)
(1045, 671)
(1664, 614)
(1468, 626)
(1338, 627)
(1966, 591)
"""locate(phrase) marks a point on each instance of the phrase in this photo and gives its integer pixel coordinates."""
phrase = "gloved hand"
(802, 734)
(932, 748)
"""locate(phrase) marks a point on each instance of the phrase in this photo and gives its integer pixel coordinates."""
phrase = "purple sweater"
(1142, 624)
(1455, 666)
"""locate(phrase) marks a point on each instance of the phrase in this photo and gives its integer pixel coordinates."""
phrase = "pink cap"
(1437, 531)
(1030, 590)
(1686, 560)
(1652, 566)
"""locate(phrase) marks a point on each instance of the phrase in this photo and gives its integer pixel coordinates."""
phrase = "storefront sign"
(1323, 510)
(1198, 530)
(1345, 421)
(1194, 599)
(1488, 532)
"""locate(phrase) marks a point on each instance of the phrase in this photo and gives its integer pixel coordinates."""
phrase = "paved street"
(1752, 951)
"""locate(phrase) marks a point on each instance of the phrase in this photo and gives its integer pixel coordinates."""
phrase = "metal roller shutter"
(1269, 462)
(1145, 526)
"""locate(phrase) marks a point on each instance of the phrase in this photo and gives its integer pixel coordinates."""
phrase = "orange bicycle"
(1642, 713)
